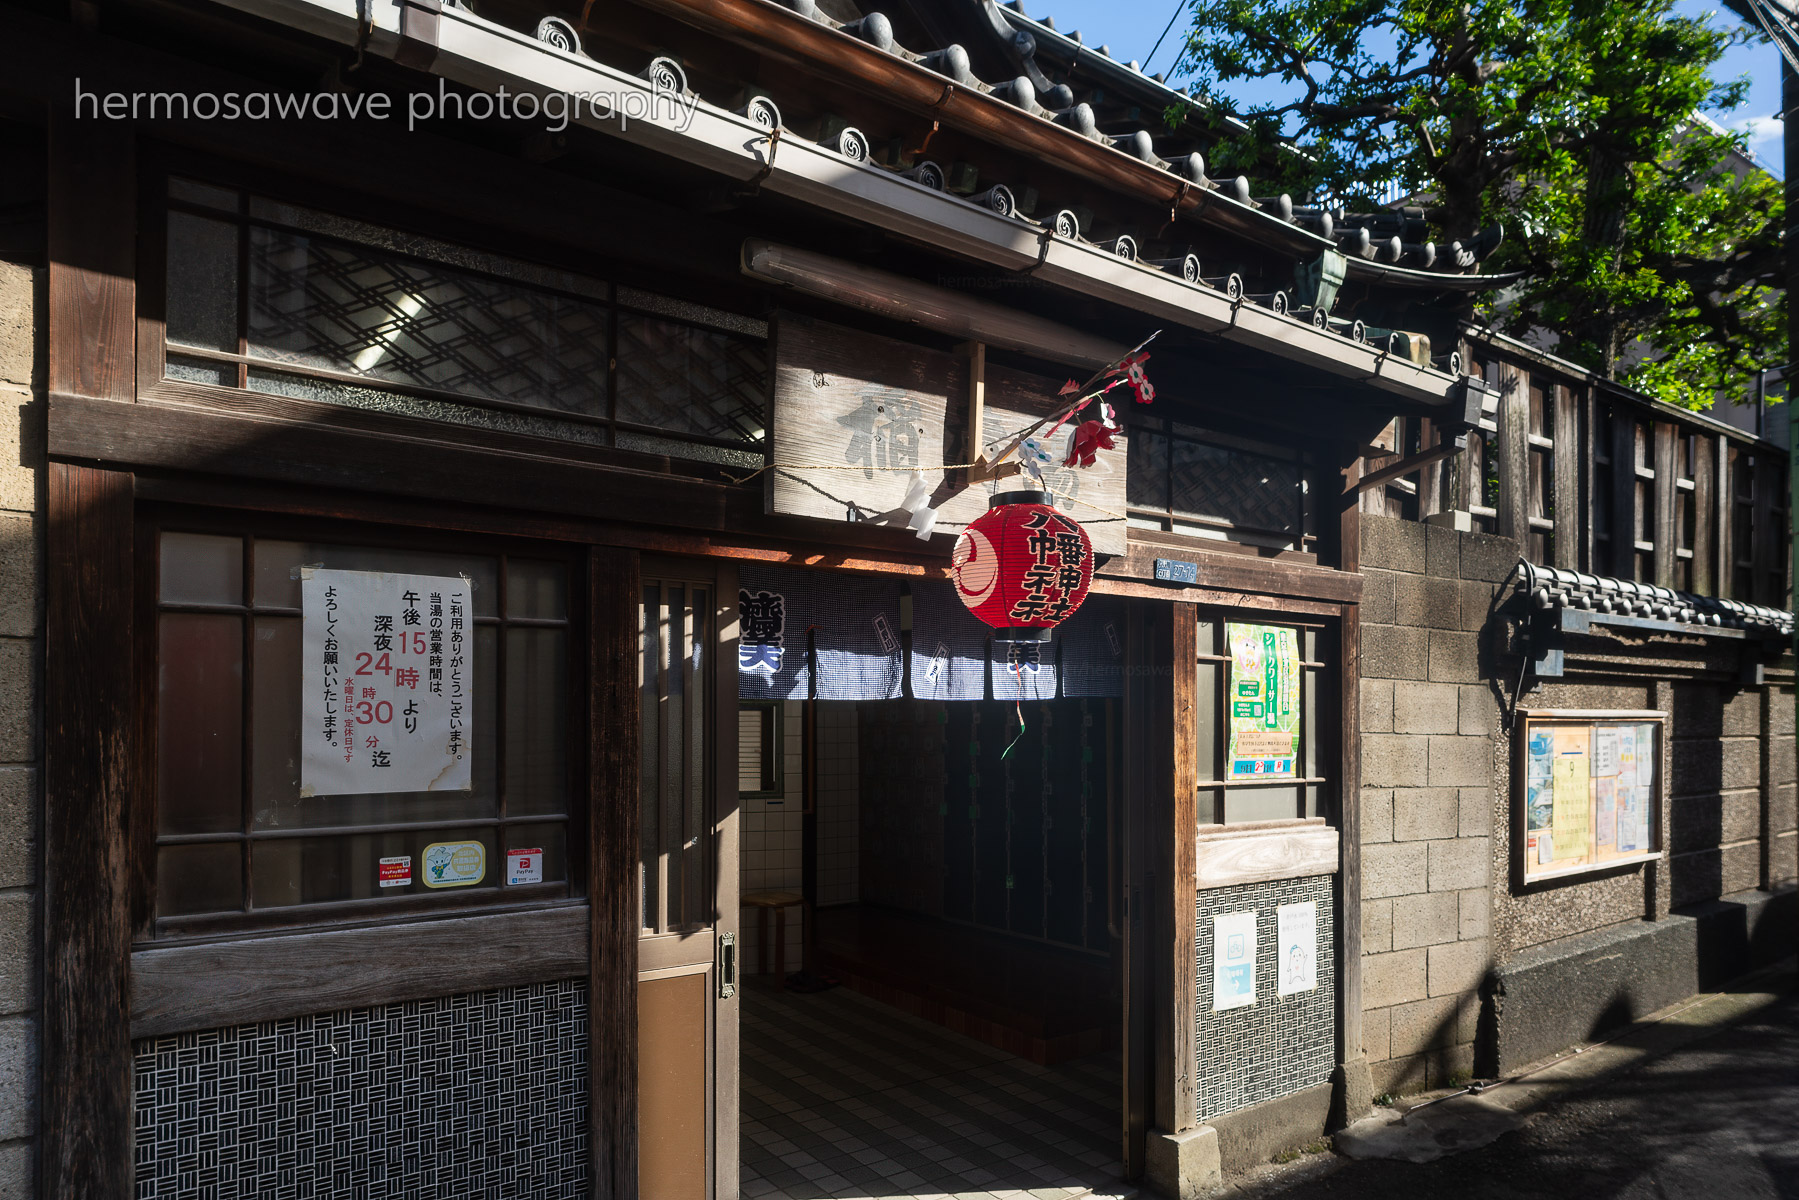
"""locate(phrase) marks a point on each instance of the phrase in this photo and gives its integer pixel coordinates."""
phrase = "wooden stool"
(778, 902)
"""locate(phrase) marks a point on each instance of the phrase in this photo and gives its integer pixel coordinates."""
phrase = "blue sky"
(1131, 27)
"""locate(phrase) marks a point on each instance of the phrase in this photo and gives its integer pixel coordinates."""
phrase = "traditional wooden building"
(570, 416)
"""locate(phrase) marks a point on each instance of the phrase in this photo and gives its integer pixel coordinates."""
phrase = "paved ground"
(1715, 1119)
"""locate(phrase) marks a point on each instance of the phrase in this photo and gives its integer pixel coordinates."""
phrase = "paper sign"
(1605, 752)
(1264, 702)
(1297, 928)
(524, 866)
(1605, 806)
(388, 682)
(454, 864)
(394, 872)
(1233, 960)
(1572, 825)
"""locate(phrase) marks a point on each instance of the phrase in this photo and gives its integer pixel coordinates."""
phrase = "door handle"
(727, 965)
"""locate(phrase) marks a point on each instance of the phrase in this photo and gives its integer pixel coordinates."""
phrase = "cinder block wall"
(1428, 770)
(22, 482)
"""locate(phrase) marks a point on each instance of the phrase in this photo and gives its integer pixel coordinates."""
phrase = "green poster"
(1264, 702)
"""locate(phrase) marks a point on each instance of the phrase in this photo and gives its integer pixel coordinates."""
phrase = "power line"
(1179, 7)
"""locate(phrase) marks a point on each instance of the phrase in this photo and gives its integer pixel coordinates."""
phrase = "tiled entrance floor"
(846, 1098)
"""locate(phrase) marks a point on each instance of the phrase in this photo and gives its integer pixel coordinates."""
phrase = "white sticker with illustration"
(1297, 928)
(455, 864)
(1233, 960)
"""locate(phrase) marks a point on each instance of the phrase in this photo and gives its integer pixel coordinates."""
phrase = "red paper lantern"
(1022, 567)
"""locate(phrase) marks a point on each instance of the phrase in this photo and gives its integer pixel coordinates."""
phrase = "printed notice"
(394, 872)
(1264, 701)
(1571, 829)
(454, 864)
(387, 681)
(1233, 960)
(1296, 928)
(524, 866)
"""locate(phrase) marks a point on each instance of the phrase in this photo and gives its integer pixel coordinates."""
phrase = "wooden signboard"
(855, 413)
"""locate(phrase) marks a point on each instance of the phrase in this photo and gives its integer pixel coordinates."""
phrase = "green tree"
(1570, 124)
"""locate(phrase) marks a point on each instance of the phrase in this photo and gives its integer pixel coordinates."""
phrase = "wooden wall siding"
(1623, 453)
(1766, 556)
(1723, 560)
(1513, 449)
(614, 595)
(1566, 469)
(1663, 531)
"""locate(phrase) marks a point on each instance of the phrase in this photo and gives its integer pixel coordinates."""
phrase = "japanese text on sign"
(1056, 581)
(388, 683)
(1264, 702)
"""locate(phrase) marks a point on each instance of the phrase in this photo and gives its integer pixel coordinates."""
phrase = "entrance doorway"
(943, 1013)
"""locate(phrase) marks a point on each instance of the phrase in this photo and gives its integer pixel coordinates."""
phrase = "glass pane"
(1261, 804)
(1309, 683)
(1211, 807)
(551, 839)
(536, 721)
(319, 870)
(199, 879)
(275, 772)
(201, 569)
(1244, 491)
(1146, 474)
(200, 715)
(320, 303)
(690, 380)
(537, 590)
(202, 294)
(199, 370)
(1207, 639)
(1205, 709)
(1314, 799)
(277, 579)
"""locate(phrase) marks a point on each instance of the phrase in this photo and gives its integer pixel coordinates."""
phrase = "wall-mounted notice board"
(1587, 790)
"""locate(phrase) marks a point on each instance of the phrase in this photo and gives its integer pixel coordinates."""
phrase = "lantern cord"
(1017, 707)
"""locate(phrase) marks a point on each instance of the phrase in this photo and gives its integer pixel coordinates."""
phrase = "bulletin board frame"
(1587, 791)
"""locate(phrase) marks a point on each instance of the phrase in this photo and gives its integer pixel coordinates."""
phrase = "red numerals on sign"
(368, 664)
(378, 713)
(412, 643)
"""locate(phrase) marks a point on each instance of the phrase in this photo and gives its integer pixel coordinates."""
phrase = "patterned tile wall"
(480, 1095)
(1280, 1044)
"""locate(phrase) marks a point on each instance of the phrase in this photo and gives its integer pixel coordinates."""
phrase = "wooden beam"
(1624, 493)
(1406, 466)
(1705, 517)
(1665, 535)
(86, 1113)
(1724, 499)
(1513, 448)
(1768, 584)
(1181, 834)
(614, 597)
(1571, 518)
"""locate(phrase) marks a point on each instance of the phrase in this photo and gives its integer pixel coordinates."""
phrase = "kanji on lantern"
(1022, 567)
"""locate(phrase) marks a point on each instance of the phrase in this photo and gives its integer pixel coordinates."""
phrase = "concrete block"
(1396, 977)
(1460, 864)
(1425, 707)
(1251, 1136)
(1427, 920)
(1443, 552)
(1783, 807)
(1399, 1076)
(1477, 812)
(1783, 858)
(1742, 762)
(19, 807)
(1377, 1034)
(1377, 816)
(1697, 711)
(23, 434)
(1454, 656)
(1479, 600)
(1457, 761)
(1457, 967)
(1433, 603)
(1395, 652)
(1392, 759)
(1379, 606)
(1742, 715)
(1488, 558)
(1392, 544)
(1395, 869)
(1423, 814)
(1377, 706)
(1426, 1024)
(18, 1169)
(1781, 751)
(18, 1077)
(1478, 712)
(1184, 1166)
(1698, 766)
(1377, 926)
(20, 612)
(21, 347)
(1476, 913)
(18, 952)
(18, 700)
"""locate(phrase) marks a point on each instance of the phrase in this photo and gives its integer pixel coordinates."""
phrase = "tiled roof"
(1551, 588)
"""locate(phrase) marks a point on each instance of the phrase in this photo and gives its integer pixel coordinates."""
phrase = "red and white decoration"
(1022, 567)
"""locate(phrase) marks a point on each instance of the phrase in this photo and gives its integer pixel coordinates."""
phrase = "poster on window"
(1264, 702)
(388, 683)
(1233, 960)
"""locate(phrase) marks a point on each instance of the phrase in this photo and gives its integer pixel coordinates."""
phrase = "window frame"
(1178, 426)
(151, 931)
(584, 280)
(771, 710)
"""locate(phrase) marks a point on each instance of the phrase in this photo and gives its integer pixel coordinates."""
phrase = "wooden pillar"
(1572, 522)
(1174, 836)
(1768, 585)
(1724, 494)
(1624, 494)
(89, 697)
(1667, 485)
(1513, 448)
(614, 596)
(1705, 517)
